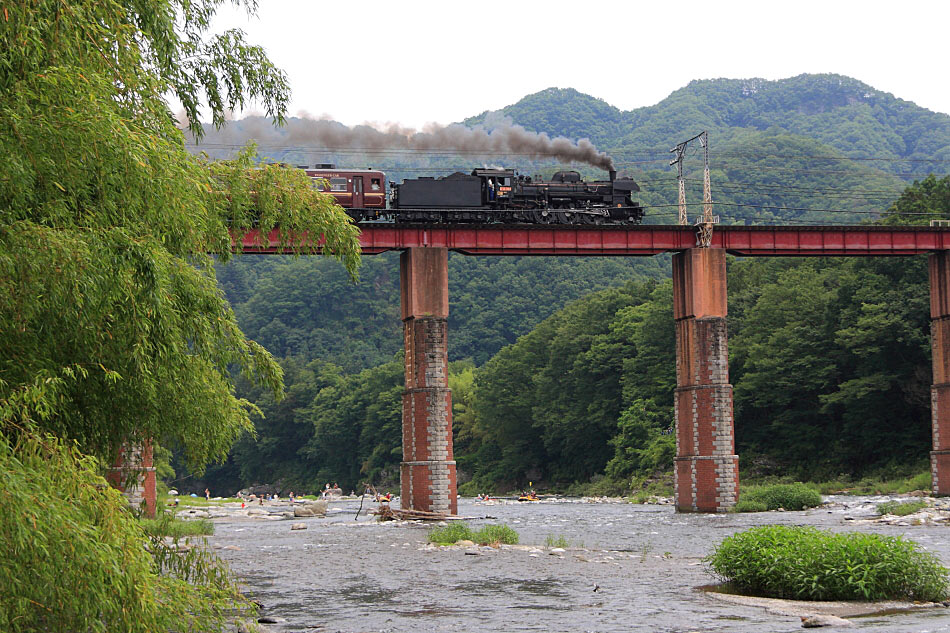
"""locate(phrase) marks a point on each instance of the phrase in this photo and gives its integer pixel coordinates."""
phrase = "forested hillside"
(308, 308)
(563, 368)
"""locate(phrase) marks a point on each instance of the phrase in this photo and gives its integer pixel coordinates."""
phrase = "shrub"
(900, 509)
(495, 534)
(805, 563)
(749, 505)
(795, 496)
(450, 534)
(75, 558)
(488, 535)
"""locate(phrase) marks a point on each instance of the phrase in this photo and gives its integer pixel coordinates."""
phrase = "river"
(628, 568)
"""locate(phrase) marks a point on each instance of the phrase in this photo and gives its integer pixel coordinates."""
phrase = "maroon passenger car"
(354, 188)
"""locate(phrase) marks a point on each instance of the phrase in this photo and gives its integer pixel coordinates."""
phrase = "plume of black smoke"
(503, 137)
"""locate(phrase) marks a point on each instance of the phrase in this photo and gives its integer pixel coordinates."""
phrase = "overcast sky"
(415, 62)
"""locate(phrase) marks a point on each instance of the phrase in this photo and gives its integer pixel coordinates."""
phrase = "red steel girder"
(592, 241)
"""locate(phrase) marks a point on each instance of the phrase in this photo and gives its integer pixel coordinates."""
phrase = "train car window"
(320, 184)
(374, 184)
(338, 184)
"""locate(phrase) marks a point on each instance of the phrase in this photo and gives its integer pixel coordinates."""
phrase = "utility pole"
(704, 234)
(680, 150)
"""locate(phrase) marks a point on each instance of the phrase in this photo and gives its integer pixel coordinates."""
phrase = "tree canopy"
(112, 324)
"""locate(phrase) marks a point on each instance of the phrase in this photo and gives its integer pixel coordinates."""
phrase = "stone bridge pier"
(427, 472)
(706, 468)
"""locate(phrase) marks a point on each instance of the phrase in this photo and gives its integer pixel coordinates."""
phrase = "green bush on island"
(488, 535)
(796, 496)
(804, 563)
(450, 534)
(900, 509)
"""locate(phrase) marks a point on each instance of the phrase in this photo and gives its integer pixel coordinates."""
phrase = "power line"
(780, 208)
(648, 156)
(740, 183)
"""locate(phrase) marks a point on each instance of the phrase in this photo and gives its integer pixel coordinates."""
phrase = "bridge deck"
(750, 241)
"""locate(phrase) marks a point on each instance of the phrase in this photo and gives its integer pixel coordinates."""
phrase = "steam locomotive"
(484, 196)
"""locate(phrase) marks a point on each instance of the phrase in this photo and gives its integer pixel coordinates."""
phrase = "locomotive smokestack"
(613, 175)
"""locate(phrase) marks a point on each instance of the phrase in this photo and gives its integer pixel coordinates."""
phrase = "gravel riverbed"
(627, 568)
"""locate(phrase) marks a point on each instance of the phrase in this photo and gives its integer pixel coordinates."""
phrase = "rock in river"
(814, 621)
(311, 509)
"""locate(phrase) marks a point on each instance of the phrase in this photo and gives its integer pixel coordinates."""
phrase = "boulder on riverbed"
(311, 509)
(815, 621)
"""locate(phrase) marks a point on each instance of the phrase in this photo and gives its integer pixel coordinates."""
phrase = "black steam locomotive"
(485, 196)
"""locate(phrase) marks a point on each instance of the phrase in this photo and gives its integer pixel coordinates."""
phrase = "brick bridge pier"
(427, 472)
(940, 391)
(706, 468)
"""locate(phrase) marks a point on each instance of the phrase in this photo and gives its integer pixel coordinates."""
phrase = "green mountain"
(808, 149)
(849, 116)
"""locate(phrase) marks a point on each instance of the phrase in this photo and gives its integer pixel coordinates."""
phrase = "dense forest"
(562, 369)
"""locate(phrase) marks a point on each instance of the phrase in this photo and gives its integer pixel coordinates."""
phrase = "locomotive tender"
(484, 196)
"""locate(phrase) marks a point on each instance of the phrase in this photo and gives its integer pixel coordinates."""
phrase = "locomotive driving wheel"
(565, 216)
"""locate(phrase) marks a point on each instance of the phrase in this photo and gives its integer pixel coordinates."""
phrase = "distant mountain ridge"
(841, 112)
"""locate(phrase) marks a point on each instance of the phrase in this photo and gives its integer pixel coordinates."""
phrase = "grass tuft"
(749, 505)
(496, 535)
(804, 563)
(900, 509)
(556, 541)
(450, 534)
(169, 525)
(796, 496)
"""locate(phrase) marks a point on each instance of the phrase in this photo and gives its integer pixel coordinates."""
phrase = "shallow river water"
(629, 568)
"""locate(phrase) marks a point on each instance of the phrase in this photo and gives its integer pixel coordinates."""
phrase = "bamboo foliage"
(108, 226)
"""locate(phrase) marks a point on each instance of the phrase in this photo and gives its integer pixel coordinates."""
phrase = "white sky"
(415, 62)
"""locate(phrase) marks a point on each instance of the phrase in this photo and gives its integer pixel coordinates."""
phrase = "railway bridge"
(706, 466)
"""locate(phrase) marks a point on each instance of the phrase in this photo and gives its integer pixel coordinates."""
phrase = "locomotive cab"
(496, 185)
